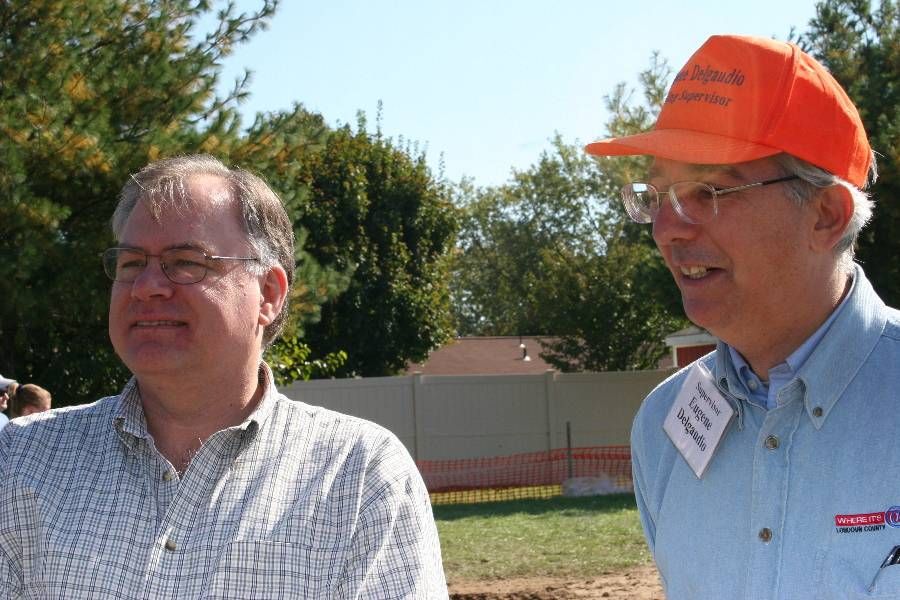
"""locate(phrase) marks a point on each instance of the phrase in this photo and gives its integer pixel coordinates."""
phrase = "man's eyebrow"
(190, 246)
(200, 246)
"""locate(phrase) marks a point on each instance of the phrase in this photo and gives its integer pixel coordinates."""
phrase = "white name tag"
(697, 420)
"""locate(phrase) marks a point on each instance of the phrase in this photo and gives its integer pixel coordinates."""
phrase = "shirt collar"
(765, 393)
(263, 410)
(830, 358)
(129, 417)
(744, 375)
(834, 362)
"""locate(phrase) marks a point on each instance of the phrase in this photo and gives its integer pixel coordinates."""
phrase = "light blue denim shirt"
(800, 501)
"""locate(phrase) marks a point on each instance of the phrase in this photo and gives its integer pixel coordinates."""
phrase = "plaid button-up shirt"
(295, 502)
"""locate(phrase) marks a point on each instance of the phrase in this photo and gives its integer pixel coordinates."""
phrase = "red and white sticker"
(859, 523)
(866, 519)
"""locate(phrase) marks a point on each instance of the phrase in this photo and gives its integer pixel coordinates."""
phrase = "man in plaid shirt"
(200, 480)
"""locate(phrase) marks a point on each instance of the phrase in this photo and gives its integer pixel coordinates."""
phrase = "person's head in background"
(4, 391)
(27, 399)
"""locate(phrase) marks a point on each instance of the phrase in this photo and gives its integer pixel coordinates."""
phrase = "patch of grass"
(557, 537)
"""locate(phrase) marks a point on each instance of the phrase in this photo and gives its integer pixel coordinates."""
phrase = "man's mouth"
(158, 324)
(694, 271)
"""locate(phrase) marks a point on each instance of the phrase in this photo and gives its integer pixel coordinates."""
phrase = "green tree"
(378, 215)
(553, 253)
(554, 206)
(605, 307)
(92, 91)
(859, 42)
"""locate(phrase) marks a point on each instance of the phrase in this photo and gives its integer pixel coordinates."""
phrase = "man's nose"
(152, 281)
(669, 226)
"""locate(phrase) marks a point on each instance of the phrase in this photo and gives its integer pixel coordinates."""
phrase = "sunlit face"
(200, 330)
(745, 269)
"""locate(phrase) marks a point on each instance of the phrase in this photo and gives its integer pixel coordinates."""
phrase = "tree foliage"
(90, 92)
(93, 91)
(552, 253)
(378, 213)
(859, 42)
(554, 206)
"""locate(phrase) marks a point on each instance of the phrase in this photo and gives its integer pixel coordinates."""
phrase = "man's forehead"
(661, 167)
(669, 169)
(204, 218)
(196, 196)
(196, 192)
(214, 188)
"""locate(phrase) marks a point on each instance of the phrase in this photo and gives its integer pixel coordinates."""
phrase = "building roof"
(690, 336)
(499, 355)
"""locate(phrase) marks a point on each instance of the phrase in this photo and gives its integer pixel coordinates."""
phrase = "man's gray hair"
(163, 185)
(812, 179)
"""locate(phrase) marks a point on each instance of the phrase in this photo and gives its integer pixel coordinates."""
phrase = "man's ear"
(273, 291)
(834, 210)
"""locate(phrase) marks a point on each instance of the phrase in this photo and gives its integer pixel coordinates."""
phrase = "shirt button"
(765, 534)
(170, 544)
(771, 442)
(752, 385)
(167, 476)
(817, 411)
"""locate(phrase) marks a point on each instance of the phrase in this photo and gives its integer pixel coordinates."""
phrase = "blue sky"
(485, 83)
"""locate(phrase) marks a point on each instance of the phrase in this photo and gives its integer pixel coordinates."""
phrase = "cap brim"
(683, 145)
(4, 382)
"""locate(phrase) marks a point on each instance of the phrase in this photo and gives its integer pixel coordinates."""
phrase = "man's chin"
(155, 363)
(704, 314)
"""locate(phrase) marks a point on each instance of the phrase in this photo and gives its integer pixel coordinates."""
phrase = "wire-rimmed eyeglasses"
(183, 266)
(694, 201)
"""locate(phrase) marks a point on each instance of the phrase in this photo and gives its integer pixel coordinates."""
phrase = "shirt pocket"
(265, 570)
(839, 578)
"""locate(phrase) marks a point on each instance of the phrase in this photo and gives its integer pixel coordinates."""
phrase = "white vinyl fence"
(441, 417)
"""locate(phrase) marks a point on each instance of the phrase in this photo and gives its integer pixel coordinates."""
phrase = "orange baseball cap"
(741, 98)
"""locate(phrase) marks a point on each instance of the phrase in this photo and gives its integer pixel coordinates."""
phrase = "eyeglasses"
(183, 266)
(695, 202)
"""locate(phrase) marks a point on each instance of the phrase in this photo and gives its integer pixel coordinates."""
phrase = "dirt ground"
(639, 583)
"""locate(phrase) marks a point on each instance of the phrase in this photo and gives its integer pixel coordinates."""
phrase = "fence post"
(417, 399)
(550, 398)
(569, 464)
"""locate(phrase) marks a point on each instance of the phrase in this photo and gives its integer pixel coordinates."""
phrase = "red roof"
(484, 356)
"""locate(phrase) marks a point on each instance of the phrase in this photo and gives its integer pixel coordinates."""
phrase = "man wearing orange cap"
(768, 468)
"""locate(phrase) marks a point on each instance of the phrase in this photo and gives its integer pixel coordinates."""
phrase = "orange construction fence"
(529, 475)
